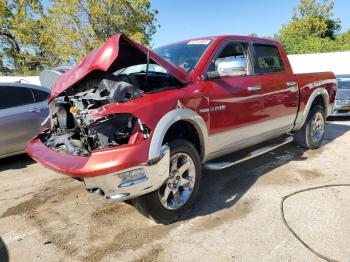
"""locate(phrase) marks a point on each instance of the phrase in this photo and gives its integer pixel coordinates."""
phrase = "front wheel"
(310, 136)
(179, 190)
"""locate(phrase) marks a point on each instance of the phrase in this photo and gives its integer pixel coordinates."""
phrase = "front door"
(235, 102)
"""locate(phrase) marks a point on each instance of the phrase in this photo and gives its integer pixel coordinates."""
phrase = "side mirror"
(232, 69)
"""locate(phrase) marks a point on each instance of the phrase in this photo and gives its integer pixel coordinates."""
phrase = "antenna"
(147, 67)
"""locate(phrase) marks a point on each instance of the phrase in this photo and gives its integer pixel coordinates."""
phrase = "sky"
(185, 19)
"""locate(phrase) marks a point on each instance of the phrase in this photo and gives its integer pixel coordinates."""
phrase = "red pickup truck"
(138, 124)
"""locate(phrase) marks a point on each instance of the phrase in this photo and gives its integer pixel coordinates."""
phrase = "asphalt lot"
(45, 216)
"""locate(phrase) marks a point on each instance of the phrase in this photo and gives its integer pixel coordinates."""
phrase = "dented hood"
(111, 53)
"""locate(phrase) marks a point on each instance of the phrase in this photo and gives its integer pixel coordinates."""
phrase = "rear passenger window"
(40, 96)
(15, 96)
(267, 59)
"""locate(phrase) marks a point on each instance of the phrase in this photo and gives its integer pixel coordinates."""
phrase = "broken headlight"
(114, 130)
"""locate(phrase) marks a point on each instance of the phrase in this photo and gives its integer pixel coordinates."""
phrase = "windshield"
(152, 68)
(343, 83)
(186, 55)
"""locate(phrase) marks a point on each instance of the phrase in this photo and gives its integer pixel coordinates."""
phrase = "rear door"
(279, 87)
(18, 119)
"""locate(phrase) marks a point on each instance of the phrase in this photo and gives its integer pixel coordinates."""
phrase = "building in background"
(337, 62)
(46, 78)
(34, 80)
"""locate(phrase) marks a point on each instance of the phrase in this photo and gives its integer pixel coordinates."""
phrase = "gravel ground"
(45, 216)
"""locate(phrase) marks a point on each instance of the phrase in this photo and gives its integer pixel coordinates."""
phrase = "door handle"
(292, 86)
(35, 110)
(291, 83)
(254, 88)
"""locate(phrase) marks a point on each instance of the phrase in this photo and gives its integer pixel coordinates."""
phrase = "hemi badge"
(212, 109)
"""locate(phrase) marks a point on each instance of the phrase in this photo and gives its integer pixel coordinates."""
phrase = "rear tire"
(166, 204)
(311, 134)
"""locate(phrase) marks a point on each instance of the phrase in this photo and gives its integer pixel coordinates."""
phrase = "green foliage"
(81, 25)
(20, 49)
(313, 30)
(343, 41)
(33, 38)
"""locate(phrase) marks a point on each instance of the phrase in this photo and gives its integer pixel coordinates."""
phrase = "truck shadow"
(4, 256)
(15, 162)
(223, 189)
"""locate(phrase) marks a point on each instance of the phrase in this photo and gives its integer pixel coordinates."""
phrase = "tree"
(343, 41)
(73, 28)
(20, 49)
(34, 37)
(312, 28)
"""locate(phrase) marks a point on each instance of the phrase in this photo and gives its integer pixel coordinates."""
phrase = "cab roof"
(225, 37)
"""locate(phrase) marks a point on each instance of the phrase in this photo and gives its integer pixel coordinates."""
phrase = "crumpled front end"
(108, 148)
(117, 174)
(76, 130)
(105, 151)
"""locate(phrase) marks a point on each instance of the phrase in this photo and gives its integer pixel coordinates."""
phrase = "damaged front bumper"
(132, 182)
(118, 174)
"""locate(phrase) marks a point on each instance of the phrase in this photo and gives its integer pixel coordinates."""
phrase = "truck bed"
(308, 82)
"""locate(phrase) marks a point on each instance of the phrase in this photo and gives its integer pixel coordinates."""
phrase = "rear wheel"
(310, 136)
(177, 193)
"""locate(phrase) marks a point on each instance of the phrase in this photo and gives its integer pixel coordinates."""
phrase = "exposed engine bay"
(73, 130)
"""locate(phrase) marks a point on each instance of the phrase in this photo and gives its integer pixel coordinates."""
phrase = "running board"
(248, 155)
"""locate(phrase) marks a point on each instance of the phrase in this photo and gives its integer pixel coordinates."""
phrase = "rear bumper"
(117, 174)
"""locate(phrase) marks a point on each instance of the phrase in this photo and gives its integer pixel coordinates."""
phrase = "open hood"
(118, 51)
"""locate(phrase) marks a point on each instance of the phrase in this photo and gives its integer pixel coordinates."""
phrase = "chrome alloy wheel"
(317, 127)
(178, 188)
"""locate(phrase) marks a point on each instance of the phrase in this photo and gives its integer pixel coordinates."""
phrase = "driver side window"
(232, 60)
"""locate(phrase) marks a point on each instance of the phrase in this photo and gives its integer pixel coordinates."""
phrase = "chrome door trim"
(254, 88)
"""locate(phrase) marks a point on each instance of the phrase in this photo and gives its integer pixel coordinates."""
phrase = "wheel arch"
(177, 117)
(319, 96)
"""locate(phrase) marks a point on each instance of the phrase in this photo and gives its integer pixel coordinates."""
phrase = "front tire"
(311, 134)
(178, 192)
